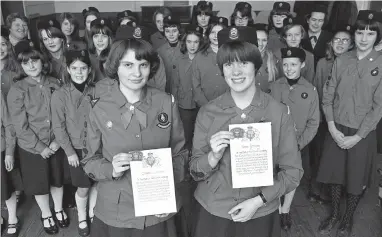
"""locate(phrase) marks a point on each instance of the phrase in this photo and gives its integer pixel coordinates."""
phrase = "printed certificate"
(153, 182)
(251, 155)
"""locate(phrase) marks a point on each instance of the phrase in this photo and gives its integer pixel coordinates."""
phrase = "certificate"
(251, 155)
(152, 180)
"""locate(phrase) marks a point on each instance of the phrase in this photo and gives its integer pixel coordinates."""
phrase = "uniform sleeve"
(25, 135)
(309, 67)
(59, 123)
(159, 79)
(200, 168)
(94, 164)
(10, 134)
(319, 79)
(372, 118)
(289, 161)
(312, 124)
(200, 98)
(329, 93)
(179, 152)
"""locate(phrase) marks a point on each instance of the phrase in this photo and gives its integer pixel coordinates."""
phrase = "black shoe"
(345, 229)
(286, 221)
(327, 225)
(12, 226)
(85, 231)
(52, 229)
(63, 223)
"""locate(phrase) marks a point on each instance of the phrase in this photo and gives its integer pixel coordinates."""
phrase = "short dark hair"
(183, 48)
(142, 49)
(52, 32)
(33, 54)
(276, 12)
(13, 16)
(85, 59)
(199, 9)
(371, 25)
(245, 12)
(239, 51)
(288, 27)
(68, 16)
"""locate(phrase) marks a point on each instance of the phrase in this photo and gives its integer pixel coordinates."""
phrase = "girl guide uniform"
(117, 126)
(214, 192)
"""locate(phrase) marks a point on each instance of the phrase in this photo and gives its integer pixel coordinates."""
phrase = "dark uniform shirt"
(319, 49)
(70, 116)
(303, 104)
(157, 39)
(274, 41)
(182, 89)
(214, 191)
(262, 76)
(8, 135)
(207, 80)
(353, 92)
(170, 57)
(96, 67)
(7, 81)
(116, 126)
(323, 71)
(29, 107)
(58, 68)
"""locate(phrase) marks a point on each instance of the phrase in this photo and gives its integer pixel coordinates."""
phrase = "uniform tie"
(313, 40)
(141, 116)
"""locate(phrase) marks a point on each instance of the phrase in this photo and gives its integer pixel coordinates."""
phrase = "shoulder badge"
(163, 121)
(137, 33)
(304, 95)
(371, 16)
(233, 34)
(374, 72)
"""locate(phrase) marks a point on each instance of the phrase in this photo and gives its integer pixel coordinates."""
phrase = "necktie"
(140, 116)
(313, 40)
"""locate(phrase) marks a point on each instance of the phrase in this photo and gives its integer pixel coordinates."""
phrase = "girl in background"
(89, 14)
(158, 39)
(280, 11)
(70, 28)
(242, 14)
(202, 14)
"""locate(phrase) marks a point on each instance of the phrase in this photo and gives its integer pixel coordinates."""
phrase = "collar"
(371, 57)
(13, 40)
(226, 101)
(143, 104)
(43, 81)
(314, 34)
(301, 81)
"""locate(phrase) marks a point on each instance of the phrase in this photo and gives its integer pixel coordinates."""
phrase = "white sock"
(81, 206)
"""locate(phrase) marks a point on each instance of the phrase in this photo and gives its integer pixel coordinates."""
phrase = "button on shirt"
(157, 40)
(170, 57)
(70, 113)
(29, 107)
(8, 135)
(182, 88)
(302, 101)
(207, 80)
(114, 129)
(353, 95)
(214, 191)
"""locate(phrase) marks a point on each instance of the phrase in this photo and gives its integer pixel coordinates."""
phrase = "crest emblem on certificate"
(252, 134)
(151, 160)
(237, 132)
(135, 155)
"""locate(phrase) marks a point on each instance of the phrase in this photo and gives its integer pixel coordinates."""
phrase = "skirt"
(352, 167)
(208, 225)
(379, 136)
(39, 174)
(10, 181)
(188, 117)
(77, 175)
(163, 229)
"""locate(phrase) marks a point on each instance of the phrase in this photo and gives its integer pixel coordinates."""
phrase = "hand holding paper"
(219, 142)
(121, 163)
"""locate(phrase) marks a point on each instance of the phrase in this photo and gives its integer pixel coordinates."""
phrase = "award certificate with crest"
(251, 155)
(152, 180)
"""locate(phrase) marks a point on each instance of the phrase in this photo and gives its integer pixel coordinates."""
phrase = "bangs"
(97, 29)
(207, 11)
(364, 25)
(26, 56)
(83, 59)
(142, 50)
(53, 32)
(280, 12)
(237, 51)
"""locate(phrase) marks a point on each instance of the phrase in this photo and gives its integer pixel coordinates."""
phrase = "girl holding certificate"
(128, 115)
(223, 211)
(352, 104)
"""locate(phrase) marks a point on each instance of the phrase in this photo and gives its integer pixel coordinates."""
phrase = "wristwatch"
(263, 198)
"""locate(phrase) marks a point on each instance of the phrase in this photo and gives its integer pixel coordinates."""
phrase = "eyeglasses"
(344, 41)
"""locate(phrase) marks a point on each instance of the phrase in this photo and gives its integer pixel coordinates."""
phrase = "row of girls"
(51, 123)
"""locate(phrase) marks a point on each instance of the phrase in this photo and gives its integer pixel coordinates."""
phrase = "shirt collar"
(314, 34)
(143, 104)
(226, 101)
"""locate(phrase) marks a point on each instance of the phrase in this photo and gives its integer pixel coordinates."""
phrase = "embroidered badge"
(51, 23)
(83, 53)
(126, 13)
(374, 72)
(280, 4)
(52, 89)
(31, 44)
(163, 121)
(134, 24)
(290, 21)
(137, 33)
(102, 22)
(220, 20)
(371, 16)
(348, 28)
(109, 125)
(289, 53)
(304, 95)
(233, 34)
(269, 91)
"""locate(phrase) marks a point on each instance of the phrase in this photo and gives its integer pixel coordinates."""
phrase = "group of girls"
(73, 108)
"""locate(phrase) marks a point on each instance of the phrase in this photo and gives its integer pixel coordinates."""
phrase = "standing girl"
(17, 25)
(52, 45)
(352, 104)
(89, 15)
(201, 15)
(158, 39)
(269, 70)
(207, 81)
(280, 11)
(100, 40)
(341, 42)
(70, 110)
(41, 158)
(70, 28)
(242, 14)
(131, 63)
(9, 67)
